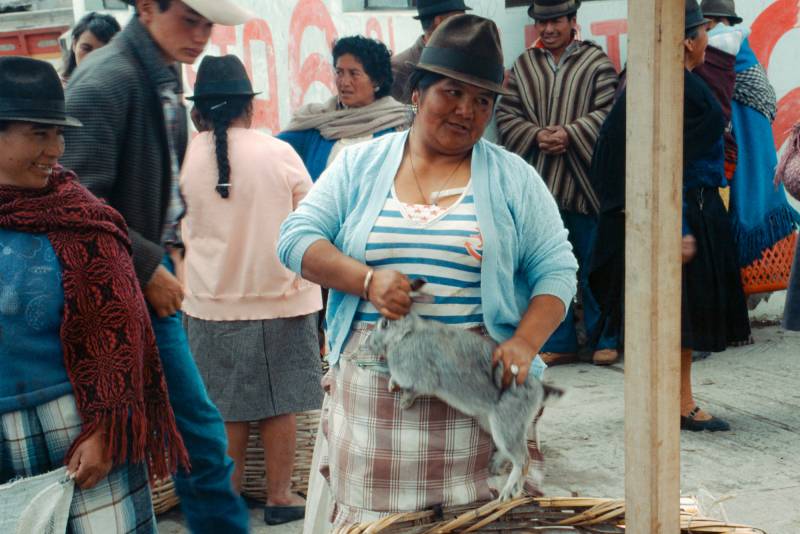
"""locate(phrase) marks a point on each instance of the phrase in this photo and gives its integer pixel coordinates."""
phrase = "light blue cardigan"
(525, 247)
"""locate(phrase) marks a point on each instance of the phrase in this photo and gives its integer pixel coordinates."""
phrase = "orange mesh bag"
(771, 271)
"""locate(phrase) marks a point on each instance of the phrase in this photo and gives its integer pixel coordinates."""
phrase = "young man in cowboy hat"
(129, 97)
(430, 14)
(561, 91)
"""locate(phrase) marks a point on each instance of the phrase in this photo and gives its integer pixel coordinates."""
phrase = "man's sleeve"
(93, 152)
(583, 132)
(517, 129)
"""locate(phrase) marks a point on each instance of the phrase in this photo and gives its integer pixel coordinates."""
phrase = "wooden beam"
(653, 266)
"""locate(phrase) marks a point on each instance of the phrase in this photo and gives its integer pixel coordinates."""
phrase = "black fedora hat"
(31, 91)
(221, 76)
(466, 48)
(431, 8)
(721, 8)
(694, 15)
(552, 9)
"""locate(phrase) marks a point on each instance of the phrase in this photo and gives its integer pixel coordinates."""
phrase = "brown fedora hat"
(552, 9)
(721, 8)
(466, 48)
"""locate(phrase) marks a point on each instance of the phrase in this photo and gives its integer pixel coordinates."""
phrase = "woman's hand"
(688, 248)
(90, 462)
(515, 351)
(389, 293)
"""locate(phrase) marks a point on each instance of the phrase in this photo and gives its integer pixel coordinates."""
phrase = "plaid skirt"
(380, 459)
(36, 440)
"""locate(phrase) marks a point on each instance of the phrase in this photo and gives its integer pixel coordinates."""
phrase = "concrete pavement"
(751, 474)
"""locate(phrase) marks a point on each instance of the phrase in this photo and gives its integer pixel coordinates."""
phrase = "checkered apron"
(35, 440)
(381, 459)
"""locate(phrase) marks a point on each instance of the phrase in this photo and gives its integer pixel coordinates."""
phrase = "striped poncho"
(577, 95)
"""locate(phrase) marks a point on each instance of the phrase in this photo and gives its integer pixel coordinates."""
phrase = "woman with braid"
(252, 323)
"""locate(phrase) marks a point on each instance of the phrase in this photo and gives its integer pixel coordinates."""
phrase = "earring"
(414, 109)
(377, 88)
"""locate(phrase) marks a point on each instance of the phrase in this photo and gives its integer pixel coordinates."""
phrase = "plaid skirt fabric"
(380, 459)
(35, 440)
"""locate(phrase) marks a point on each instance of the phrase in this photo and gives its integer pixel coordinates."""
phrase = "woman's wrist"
(367, 282)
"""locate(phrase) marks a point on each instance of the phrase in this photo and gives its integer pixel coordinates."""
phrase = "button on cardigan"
(526, 251)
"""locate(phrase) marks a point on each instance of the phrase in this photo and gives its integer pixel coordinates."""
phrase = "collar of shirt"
(551, 60)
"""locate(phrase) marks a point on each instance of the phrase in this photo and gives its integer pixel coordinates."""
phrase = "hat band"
(558, 10)
(224, 87)
(464, 63)
(29, 105)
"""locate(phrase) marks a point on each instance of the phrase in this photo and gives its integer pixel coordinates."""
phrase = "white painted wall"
(287, 48)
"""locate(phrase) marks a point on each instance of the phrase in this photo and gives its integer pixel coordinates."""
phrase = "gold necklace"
(416, 179)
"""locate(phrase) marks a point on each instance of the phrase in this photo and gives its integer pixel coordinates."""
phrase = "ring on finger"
(514, 368)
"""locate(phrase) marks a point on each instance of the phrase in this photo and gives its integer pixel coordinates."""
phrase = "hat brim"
(224, 12)
(418, 17)
(460, 76)
(697, 24)
(70, 122)
(219, 95)
(733, 18)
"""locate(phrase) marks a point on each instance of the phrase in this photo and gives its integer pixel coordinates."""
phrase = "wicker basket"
(162, 492)
(549, 515)
(771, 271)
(254, 482)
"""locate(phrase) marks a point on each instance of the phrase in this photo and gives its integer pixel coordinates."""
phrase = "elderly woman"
(81, 382)
(713, 308)
(362, 108)
(475, 221)
(91, 33)
(251, 323)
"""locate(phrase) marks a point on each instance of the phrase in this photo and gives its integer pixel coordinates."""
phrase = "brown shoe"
(605, 357)
(559, 358)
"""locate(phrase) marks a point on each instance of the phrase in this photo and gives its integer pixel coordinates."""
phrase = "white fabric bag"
(36, 505)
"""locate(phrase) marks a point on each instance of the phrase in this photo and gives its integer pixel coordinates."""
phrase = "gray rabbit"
(430, 358)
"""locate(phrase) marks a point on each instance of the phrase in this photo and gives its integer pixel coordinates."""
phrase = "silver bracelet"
(367, 280)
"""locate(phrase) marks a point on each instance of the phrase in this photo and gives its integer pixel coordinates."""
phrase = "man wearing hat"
(561, 91)
(129, 97)
(430, 14)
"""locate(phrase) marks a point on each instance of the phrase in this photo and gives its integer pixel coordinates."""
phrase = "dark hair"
(423, 80)
(692, 33)
(4, 125)
(427, 23)
(218, 112)
(102, 26)
(163, 5)
(374, 57)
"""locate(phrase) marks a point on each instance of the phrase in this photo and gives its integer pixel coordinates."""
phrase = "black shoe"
(712, 425)
(278, 515)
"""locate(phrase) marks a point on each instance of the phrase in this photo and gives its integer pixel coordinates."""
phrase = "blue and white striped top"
(443, 246)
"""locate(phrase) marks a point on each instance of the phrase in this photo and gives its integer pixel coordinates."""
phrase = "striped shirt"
(443, 246)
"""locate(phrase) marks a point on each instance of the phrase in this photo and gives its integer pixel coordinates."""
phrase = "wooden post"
(653, 266)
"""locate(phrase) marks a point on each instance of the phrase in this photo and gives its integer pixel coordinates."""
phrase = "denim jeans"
(207, 498)
(582, 234)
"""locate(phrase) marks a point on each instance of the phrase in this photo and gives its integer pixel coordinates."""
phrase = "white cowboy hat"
(225, 12)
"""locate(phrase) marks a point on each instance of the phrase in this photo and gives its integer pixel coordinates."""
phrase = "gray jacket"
(122, 154)
(402, 70)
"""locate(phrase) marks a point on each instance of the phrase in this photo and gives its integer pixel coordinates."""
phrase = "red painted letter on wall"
(265, 107)
(315, 68)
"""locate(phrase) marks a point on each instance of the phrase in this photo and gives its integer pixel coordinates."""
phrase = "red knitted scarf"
(109, 347)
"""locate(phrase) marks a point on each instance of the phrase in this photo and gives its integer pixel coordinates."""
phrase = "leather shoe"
(714, 424)
(278, 515)
(558, 358)
(605, 356)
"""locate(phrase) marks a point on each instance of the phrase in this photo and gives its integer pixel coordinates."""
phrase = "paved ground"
(753, 470)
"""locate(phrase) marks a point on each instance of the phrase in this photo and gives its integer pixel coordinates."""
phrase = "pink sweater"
(231, 268)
